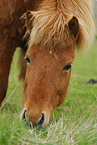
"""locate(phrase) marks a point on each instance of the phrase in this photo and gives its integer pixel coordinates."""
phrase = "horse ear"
(74, 26)
(29, 21)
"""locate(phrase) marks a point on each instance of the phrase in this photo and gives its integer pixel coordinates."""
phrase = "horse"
(53, 29)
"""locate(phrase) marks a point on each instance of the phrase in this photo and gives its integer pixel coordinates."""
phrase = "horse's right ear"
(74, 27)
(29, 21)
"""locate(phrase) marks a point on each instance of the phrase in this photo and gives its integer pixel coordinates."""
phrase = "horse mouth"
(40, 123)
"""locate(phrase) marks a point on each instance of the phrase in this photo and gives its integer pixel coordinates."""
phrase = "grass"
(73, 123)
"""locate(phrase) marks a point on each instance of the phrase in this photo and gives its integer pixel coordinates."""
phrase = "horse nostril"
(24, 114)
(41, 121)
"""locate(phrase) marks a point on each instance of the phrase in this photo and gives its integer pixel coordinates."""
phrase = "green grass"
(74, 122)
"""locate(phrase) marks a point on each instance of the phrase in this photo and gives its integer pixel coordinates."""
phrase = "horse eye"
(67, 67)
(27, 59)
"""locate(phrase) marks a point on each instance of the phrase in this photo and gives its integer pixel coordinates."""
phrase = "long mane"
(51, 21)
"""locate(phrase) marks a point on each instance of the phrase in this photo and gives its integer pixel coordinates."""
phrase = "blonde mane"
(51, 21)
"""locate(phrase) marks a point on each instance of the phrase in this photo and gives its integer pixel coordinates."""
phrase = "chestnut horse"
(53, 29)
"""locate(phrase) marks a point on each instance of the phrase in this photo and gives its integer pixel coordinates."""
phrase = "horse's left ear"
(29, 21)
(74, 27)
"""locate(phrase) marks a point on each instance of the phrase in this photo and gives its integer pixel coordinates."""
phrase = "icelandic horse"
(53, 29)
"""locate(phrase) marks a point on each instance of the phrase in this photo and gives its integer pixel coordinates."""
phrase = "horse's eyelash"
(27, 59)
(67, 67)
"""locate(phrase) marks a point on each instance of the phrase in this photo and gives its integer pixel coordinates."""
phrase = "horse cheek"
(63, 93)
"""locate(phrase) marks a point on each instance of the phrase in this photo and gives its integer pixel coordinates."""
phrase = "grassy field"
(73, 123)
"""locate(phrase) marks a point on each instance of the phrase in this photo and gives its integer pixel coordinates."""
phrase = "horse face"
(47, 77)
(46, 82)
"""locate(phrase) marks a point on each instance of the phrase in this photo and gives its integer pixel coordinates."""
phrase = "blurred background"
(95, 13)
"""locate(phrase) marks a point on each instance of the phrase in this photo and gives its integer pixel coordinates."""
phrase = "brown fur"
(11, 36)
(45, 82)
